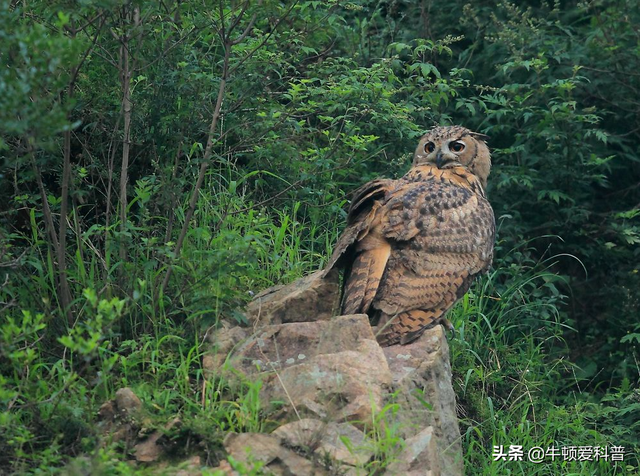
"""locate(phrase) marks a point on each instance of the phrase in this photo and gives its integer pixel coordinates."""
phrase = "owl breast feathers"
(412, 246)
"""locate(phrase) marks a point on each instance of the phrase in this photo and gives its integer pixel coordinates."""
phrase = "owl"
(413, 246)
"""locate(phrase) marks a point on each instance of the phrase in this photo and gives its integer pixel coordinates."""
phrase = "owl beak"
(439, 160)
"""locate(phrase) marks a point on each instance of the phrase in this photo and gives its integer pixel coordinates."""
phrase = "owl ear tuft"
(480, 136)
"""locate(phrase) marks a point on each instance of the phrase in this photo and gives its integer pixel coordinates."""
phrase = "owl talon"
(446, 323)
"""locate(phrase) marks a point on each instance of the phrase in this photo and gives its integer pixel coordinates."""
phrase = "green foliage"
(383, 439)
(565, 157)
(46, 404)
(101, 289)
(39, 59)
(515, 383)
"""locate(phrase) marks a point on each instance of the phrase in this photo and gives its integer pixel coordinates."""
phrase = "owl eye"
(429, 147)
(457, 146)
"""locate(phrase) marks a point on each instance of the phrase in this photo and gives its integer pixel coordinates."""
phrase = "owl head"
(455, 146)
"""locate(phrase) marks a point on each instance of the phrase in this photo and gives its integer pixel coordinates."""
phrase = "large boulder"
(330, 378)
(421, 375)
(294, 302)
(324, 369)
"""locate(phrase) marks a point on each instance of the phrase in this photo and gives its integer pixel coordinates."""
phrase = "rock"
(226, 469)
(127, 402)
(117, 417)
(343, 386)
(319, 369)
(150, 449)
(419, 457)
(421, 375)
(107, 411)
(190, 467)
(320, 438)
(224, 340)
(309, 298)
(250, 448)
(330, 375)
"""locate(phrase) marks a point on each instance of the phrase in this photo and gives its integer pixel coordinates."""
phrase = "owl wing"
(443, 236)
(363, 252)
(411, 250)
(365, 203)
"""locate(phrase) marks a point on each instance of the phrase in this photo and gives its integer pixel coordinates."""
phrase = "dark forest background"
(161, 161)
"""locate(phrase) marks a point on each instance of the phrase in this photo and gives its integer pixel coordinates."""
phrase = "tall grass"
(513, 378)
(512, 374)
(55, 376)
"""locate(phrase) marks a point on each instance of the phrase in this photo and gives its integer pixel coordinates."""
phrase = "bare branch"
(265, 39)
(63, 285)
(205, 164)
(88, 51)
(125, 75)
(162, 55)
(244, 34)
(236, 20)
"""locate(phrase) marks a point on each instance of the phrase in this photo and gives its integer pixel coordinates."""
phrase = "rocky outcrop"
(330, 369)
(347, 406)
(121, 420)
(421, 374)
(251, 448)
(294, 302)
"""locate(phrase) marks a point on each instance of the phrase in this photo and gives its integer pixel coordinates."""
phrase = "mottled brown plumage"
(412, 246)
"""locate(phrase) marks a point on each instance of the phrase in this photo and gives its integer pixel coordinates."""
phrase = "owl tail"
(364, 278)
(405, 327)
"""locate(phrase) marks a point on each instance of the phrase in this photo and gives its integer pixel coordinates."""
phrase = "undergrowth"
(516, 386)
(514, 382)
(162, 162)
(55, 377)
